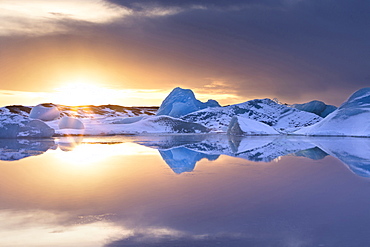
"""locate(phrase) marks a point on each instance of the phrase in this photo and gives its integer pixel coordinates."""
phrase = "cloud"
(295, 50)
(183, 240)
(145, 4)
(44, 17)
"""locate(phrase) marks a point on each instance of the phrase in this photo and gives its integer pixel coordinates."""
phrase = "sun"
(82, 92)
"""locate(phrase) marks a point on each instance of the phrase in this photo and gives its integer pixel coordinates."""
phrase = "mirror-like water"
(185, 190)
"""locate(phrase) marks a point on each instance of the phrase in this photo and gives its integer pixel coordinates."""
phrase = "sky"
(132, 52)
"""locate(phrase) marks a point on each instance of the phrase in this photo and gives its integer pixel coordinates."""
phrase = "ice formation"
(318, 107)
(254, 117)
(352, 118)
(45, 112)
(282, 118)
(154, 124)
(70, 123)
(244, 126)
(16, 126)
(127, 120)
(181, 102)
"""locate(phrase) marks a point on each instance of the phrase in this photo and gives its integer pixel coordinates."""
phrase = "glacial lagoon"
(185, 190)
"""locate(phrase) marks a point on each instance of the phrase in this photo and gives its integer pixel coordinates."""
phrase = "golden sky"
(135, 52)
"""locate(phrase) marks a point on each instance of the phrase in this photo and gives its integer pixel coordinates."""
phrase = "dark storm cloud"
(293, 49)
(144, 4)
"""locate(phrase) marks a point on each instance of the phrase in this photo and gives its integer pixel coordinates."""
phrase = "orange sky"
(127, 53)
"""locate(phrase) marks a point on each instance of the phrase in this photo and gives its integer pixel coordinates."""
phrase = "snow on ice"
(352, 118)
(240, 126)
(45, 112)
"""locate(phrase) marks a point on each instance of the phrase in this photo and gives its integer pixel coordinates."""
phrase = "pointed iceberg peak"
(181, 102)
(360, 98)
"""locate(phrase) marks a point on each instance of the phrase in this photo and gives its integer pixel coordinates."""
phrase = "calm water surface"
(205, 190)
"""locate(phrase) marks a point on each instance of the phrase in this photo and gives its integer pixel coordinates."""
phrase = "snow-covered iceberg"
(45, 112)
(181, 102)
(281, 117)
(244, 126)
(150, 125)
(318, 107)
(86, 111)
(70, 123)
(17, 126)
(127, 120)
(352, 118)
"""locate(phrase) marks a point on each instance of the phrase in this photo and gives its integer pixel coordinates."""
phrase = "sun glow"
(84, 93)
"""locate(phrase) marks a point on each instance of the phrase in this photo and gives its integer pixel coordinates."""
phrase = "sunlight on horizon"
(85, 92)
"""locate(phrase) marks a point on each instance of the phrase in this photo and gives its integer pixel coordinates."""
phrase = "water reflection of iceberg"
(352, 151)
(183, 155)
(182, 159)
(16, 149)
(266, 149)
(182, 152)
(69, 143)
(312, 153)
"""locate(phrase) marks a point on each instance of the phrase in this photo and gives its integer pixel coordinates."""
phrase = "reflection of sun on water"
(88, 154)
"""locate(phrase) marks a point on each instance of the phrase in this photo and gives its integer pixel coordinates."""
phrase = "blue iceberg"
(16, 126)
(181, 102)
(317, 107)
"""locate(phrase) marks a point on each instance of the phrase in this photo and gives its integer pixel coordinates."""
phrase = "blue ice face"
(317, 107)
(181, 102)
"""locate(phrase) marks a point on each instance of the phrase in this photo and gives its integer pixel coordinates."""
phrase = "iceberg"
(16, 109)
(181, 102)
(127, 120)
(281, 117)
(352, 118)
(150, 125)
(70, 123)
(17, 126)
(167, 124)
(317, 107)
(45, 112)
(244, 126)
